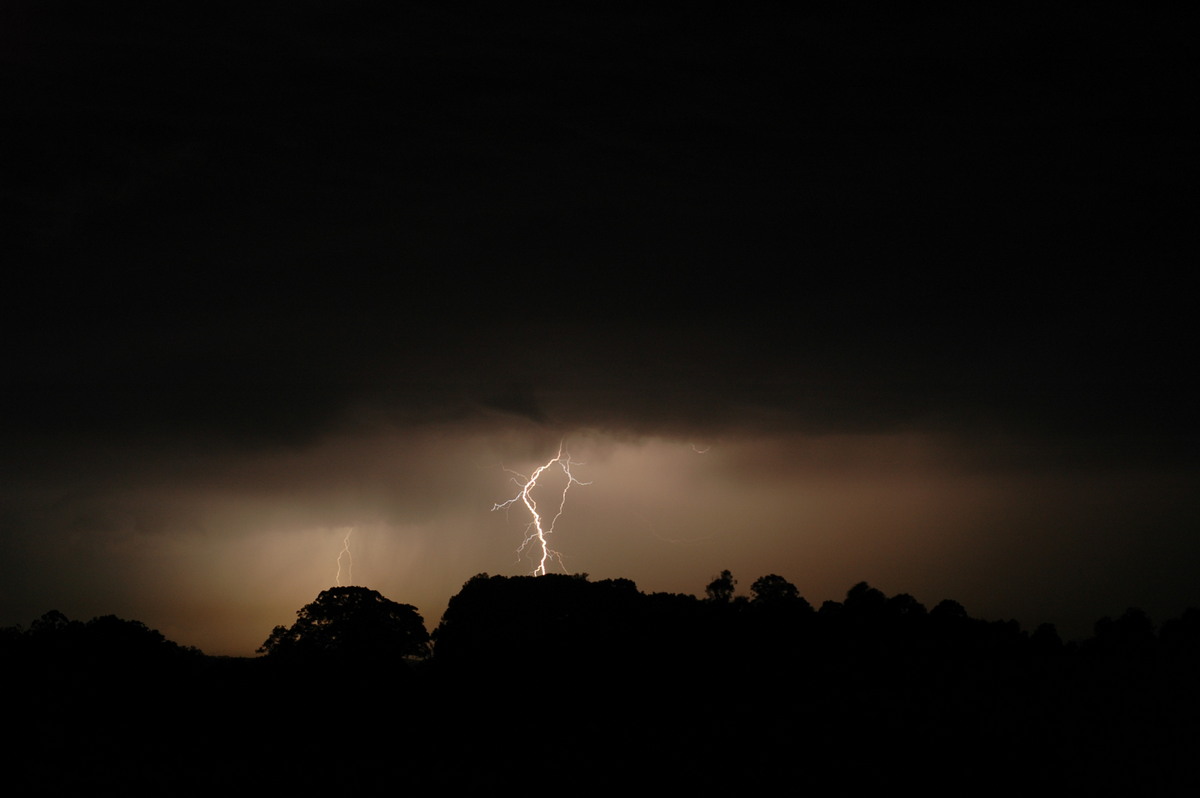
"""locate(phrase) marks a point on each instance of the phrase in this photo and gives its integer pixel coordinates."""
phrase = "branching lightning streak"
(536, 534)
(345, 552)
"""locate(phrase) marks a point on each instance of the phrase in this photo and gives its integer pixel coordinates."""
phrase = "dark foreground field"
(595, 685)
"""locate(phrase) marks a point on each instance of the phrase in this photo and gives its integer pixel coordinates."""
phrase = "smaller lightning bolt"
(536, 534)
(345, 552)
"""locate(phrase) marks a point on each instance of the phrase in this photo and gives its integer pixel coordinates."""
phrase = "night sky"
(830, 292)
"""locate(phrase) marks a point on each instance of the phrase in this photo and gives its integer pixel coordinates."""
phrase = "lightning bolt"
(537, 534)
(345, 552)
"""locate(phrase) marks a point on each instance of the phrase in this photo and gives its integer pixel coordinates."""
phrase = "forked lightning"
(345, 552)
(536, 535)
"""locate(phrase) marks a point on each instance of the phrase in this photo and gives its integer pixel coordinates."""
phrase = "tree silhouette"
(510, 621)
(720, 590)
(1182, 635)
(865, 601)
(351, 623)
(773, 589)
(1045, 639)
(902, 605)
(1132, 633)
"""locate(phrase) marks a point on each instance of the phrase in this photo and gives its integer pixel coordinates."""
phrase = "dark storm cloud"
(248, 226)
(243, 224)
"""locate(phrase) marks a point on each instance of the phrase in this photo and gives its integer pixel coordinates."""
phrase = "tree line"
(496, 617)
(555, 676)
